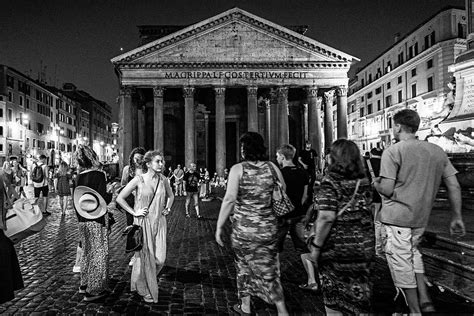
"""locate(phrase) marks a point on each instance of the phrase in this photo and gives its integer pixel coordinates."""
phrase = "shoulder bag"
(281, 203)
(135, 234)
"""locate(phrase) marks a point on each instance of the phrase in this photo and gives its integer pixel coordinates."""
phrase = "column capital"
(126, 91)
(341, 91)
(188, 92)
(252, 91)
(282, 92)
(220, 91)
(328, 95)
(312, 91)
(158, 91)
(267, 103)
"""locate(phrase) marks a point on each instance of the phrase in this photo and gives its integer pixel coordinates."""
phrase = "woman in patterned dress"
(153, 187)
(254, 229)
(343, 245)
(93, 233)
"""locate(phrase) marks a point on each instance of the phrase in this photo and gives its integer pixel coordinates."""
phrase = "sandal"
(427, 307)
(310, 287)
(237, 308)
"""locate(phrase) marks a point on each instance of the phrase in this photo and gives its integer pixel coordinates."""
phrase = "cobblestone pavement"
(199, 276)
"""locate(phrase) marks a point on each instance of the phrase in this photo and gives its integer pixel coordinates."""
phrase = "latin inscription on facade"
(250, 75)
(467, 105)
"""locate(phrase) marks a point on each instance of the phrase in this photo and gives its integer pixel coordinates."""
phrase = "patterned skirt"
(95, 259)
(258, 270)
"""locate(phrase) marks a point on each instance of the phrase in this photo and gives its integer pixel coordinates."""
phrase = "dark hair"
(86, 158)
(408, 119)
(253, 147)
(42, 156)
(346, 159)
(131, 164)
(148, 157)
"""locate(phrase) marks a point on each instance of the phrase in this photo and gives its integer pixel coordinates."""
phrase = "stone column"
(252, 111)
(341, 93)
(283, 129)
(125, 122)
(328, 119)
(305, 122)
(268, 126)
(188, 93)
(220, 131)
(158, 132)
(314, 119)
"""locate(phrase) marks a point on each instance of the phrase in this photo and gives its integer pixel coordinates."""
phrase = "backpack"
(38, 174)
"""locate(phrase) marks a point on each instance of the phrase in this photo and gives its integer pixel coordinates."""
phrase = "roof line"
(342, 54)
(413, 30)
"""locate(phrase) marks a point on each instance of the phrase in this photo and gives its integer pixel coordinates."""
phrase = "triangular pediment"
(233, 36)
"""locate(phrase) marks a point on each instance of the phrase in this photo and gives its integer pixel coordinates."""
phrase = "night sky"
(75, 39)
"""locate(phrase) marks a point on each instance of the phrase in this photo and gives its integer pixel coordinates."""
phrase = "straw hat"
(89, 203)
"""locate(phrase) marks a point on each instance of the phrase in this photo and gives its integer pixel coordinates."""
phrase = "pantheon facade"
(191, 91)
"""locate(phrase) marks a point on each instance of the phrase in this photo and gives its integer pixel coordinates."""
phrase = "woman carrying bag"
(153, 193)
(90, 202)
(342, 241)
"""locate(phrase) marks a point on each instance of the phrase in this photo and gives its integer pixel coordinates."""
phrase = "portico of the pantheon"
(192, 91)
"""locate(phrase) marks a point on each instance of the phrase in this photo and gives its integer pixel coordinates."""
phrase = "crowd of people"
(353, 209)
(347, 210)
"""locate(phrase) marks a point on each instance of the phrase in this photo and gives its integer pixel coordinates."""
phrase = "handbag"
(23, 220)
(135, 233)
(281, 203)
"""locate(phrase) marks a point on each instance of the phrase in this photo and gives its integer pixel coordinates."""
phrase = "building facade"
(193, 91)
(94, 121)
(412, 73)
(39, 119)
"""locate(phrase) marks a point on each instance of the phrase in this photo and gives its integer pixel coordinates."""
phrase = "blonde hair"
(63, 168)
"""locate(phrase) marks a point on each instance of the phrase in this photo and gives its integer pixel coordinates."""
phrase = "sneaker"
(199, 217)
(46, 213)
(187, 215)
(148, 298)
(76, 269)
(82, 289)
(91, 298)
(132, 261)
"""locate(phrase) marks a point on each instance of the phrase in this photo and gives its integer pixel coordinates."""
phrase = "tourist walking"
(90, 203)
(153, 193)
(342, 237)
(40, 178)
(192, 180)
(255, 226)
(296, 180)
(134, 167)
(20, 176)
(178, 181)
(63, 185)
(10, 273)
(410, 175)
(9, 180)
(372, 165)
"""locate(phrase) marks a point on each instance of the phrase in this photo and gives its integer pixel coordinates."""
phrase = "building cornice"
(423, 56)
(237, 65)
(407, 35)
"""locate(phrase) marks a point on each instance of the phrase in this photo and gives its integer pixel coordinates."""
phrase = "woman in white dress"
(153, 193)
